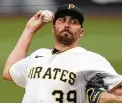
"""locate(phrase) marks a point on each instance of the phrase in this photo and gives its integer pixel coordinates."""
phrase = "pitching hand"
(36, 22)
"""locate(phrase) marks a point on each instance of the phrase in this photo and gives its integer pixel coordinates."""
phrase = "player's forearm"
(22, 46)
(107, 98)
(20, 51)
(110, 98)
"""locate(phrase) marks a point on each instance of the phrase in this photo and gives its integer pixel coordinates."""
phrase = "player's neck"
(62, 47)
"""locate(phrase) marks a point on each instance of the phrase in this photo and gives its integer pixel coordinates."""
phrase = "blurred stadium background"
(103, 33)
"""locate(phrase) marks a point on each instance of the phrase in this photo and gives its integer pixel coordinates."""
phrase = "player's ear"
(81, 32)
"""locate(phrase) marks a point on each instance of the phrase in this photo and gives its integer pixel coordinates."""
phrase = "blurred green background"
(102, 35)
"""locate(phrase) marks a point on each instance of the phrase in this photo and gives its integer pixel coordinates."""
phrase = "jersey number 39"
(71, 96)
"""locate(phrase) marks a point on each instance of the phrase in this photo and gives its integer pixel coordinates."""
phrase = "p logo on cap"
(71, 6)
(69, 10)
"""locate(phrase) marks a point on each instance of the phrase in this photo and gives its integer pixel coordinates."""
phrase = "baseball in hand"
(48, 15)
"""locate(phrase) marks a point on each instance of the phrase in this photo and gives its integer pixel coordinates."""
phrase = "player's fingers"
(37, 15)
(41, 17)
(52, 15)
(39, 12)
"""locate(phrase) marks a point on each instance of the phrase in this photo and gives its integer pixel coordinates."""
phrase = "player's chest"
(63, 62)
(63, 68)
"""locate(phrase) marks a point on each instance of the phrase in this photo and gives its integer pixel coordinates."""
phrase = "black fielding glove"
(95, 87)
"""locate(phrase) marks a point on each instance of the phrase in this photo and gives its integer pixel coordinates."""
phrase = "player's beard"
(65, 37)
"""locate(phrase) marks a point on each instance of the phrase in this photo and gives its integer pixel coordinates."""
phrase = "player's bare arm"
(21, 49)
(111, 97)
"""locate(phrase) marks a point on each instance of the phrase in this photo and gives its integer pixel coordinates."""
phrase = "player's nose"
(67, 24)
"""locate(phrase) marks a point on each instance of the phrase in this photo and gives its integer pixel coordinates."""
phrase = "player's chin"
(65, 38)
(66, 41)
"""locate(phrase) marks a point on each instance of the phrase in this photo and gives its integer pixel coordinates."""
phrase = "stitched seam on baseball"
(48, 16)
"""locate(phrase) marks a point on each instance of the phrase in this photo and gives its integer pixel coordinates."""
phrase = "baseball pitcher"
(67, 73)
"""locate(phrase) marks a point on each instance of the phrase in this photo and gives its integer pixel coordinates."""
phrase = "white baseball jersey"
(50, 78)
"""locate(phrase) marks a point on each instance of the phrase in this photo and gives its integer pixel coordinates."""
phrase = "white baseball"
(48, 15)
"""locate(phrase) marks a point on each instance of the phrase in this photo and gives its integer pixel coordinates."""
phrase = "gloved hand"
(95, 87)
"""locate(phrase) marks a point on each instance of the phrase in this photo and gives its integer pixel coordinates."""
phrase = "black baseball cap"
(69, 10)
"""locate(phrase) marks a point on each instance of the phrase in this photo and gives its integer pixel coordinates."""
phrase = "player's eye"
(74, 21)
(62, 19)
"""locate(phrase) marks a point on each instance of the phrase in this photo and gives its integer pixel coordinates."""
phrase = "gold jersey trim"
(120, 84)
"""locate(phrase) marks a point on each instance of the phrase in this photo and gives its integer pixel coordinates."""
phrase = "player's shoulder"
(96, 56)
(41, 51)
(91, 55)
